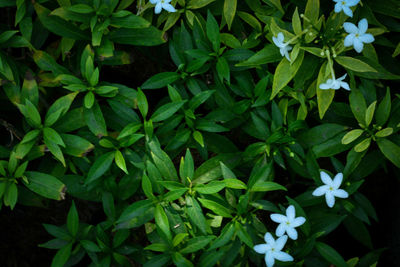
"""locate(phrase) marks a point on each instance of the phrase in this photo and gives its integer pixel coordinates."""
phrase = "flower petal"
(348, 11)
(362, 26)
(350, 27)
(338, 7)
(280, 230)
(269, 239)
(367, 38)
(169, 8)
(290, 213)
(330, 199)
(345, 85)
(340, 193)
(281, 37)
(157, 9)
(352, 2)
(342, 78)
(326, 179)
(154, 1)
(275, 40)
(358, 45)
(280, 242)
(261, 248)
(292, 233)
(337, 181)
(324, 86)
(269, 259)
(282, 256)
(298, 221)
(349, 40)
(335, 85)
(278, 218)
(320, 190)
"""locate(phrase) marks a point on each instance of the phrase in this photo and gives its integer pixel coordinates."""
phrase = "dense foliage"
(208, 130)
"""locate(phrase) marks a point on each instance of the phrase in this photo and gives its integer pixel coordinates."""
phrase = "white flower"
(272, 249)
(335, 84)
(357, 36)
(345, 6)
(284, 48)
(287, 223)
(162, 4)
(331, 188)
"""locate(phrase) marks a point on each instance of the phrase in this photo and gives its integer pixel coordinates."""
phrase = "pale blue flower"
(272, 249)
(335, 84)
(162, 4)
(357, 36)
(284, 48)
(345, 6)
(287, 223)
(330, 188)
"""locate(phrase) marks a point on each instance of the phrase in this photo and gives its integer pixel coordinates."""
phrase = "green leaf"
(285, 72)
(325, 97)
(45, 185)
(73, 220)
(216, 207)
(142, 103)
(390, 150)
(223, 69)
(296, 22)
(59, 108)
(136, 214)
(186, 169)
(354, 64)
(384, 132)
(229, 11)
(120, 161)
(195, 214)
(330, 254)
(179, 238)
(266, 186)
(243, 235)
(383, 110)
(129, 21)
(196, 244)
(88, 100)
(95, 120)
(100, 166)
(62, 256)
(358, 105)
(162, 223)
(311, 12)
(81, 8)
(226, 236)
(166, 111)
(351, 136)
(147, 187)
(59, 26)
(11, 195)
(160, 80)
(181, 261)
(76, 146)
(150, 36)
(369, 113)
(235, 184)
(212, 30)
(210, 188)
(89, 246)
(196, 4)
(269, 54)
(50, 135)
(363, 145)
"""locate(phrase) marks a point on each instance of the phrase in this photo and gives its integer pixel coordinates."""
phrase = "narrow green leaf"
(62, 256)
(100, 166)
(354, 64)
(73, 220)
(229, 11)
(45, 185)
(390, 150)
(162, 222)
(160, 80)
(166, 111)
(266, 186)
(330, 254)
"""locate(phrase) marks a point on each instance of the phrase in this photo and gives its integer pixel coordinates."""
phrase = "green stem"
(328, 55)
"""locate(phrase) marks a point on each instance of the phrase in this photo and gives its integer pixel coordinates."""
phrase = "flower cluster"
(272, 248)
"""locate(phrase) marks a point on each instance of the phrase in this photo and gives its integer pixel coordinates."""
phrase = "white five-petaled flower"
(272, 249)
(330, 188)
(357, 36)
(162, 4)
(287, 223)
(335, 84)
(345, 6)
(284, 48)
